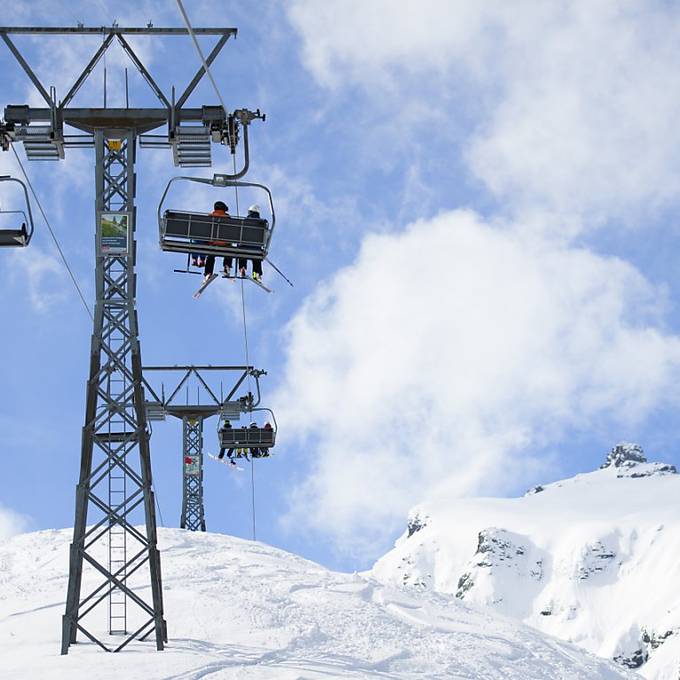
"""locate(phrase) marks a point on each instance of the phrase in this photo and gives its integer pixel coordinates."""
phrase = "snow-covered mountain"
(594, 559)
(238, 609)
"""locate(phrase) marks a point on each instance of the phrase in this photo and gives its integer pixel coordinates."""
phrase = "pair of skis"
(212, 277)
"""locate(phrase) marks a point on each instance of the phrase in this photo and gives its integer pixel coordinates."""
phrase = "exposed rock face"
(413, 577)
(651, 469)
(630, 461)
(653, 639)
(415, 524)
(635, 660)
(624, 454)
(504, 567)
(648, 642)
(596, 558)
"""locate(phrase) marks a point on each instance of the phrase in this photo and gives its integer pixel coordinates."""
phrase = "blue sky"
(478, 209)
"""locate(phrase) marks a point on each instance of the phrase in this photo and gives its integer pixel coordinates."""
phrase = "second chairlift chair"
(21, 237)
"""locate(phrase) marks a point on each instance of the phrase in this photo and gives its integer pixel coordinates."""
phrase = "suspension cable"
(158, 505)
(252, 465)
(54, 237)
(155, 495)
(187, 23)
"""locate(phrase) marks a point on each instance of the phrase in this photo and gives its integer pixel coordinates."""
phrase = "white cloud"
(42, 274)
(354, 41)
(574, 106)
(507, 334)
(447, 352)
(11, 523)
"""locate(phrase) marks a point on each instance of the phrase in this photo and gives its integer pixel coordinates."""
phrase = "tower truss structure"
(112, 559)
(115, 471)
(193, 412)
(193, 509)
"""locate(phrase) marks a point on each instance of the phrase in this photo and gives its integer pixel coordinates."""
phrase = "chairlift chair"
(249, 437)
(204, 234)
(17, 238)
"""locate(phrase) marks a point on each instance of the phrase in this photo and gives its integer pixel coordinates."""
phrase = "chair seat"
(13, 238)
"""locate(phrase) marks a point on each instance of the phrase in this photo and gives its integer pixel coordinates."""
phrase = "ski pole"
(280, 272)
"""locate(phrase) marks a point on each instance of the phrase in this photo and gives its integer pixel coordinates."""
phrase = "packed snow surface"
(240, 609)
(594, 559)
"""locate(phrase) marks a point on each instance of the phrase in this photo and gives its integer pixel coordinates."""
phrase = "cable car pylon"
(114, 494)
(193, 412)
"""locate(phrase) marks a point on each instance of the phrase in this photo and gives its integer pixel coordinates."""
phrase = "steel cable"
(187, 23)
(252, 465)
(54, 237)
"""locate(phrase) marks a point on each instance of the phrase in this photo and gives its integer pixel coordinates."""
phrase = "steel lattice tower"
(208, 402)
(193, 515)
(115, 474)
(114, 493)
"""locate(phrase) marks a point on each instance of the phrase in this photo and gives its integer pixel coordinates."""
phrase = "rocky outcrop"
(416, 523)
(630, 461)
(648, 642)
(624, 454)
(504, 566)
(595, 559)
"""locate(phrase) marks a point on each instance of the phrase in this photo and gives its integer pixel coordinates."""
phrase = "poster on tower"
(114, 233)
(192, 465)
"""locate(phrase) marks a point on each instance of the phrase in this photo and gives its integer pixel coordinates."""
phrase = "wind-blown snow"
(238, 609)
(592, 559)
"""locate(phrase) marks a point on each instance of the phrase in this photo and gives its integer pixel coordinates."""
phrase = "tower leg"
(115, 485)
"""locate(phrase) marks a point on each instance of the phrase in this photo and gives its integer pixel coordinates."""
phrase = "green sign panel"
(114, 233)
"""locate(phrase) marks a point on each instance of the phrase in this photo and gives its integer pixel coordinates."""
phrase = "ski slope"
(594, 559)
(239, 609)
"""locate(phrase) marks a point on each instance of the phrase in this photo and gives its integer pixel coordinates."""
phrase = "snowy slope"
(237, 609)
(594, 559)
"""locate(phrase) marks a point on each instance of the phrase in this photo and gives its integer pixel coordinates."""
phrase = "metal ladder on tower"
(117, 492)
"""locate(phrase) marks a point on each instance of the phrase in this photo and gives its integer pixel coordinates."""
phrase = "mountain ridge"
(589, 559)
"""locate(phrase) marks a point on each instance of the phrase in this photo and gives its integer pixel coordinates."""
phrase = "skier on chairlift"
(255, 452)
(220, 209)
(254, 213)
(226, 426)
(264, 453)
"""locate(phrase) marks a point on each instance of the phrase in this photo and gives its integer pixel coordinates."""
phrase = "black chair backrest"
(240, 230)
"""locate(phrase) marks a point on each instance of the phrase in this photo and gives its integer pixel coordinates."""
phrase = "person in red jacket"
(220, 209)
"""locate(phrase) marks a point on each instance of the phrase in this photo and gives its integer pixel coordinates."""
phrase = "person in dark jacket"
(254, 213)
(255, 450)
(225, 426)
(264, 453)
